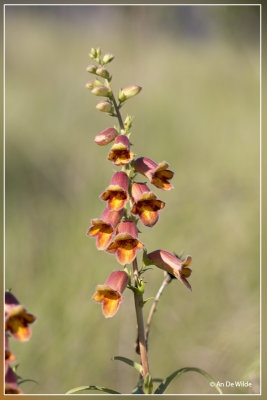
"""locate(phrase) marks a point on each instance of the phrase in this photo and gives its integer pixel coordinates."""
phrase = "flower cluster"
(17, 321)
(127, 200)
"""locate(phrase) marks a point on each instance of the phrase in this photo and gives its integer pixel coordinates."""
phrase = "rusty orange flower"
(9, 356)
(17, 318)
(125, 243)
(104, 227)
(120, 153)
(11, 384)
(146, 204)
(116, 194)
(110, 294)
(158, 174)
(172, 264)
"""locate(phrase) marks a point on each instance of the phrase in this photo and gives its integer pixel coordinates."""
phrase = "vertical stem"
(140, 324)
(117, 111)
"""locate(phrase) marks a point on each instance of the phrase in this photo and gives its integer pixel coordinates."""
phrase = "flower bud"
(98, 52)
(91, 84)
(100, 90)
(93, 53)
(128, 122)
(101, 71)
(129, 92)
(106, 136)
(104, 106)
(108, 58)
(91, 68)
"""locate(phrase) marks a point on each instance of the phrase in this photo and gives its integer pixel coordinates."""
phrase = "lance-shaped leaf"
(92, 387)
(132, 363)
(176, 374)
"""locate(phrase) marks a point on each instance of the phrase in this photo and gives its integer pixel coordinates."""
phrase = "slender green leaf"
(132, 363)
(148, 384)
(139, 387)
(92, 387)
(27, 380)
(163, 386)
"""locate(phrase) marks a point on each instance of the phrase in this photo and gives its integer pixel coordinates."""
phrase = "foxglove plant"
(129, 201)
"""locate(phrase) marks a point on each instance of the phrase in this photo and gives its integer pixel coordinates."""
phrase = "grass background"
(199, 110)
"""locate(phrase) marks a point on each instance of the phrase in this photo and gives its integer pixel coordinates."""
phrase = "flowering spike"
(110, 294)
(125, 243)
(104, 227)
(106, 136)
(172, 264)
(120, 153)
(158, 174)
(116, 194)
(146, 204)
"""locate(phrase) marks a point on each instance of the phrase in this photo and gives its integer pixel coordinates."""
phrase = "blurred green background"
(199, 110)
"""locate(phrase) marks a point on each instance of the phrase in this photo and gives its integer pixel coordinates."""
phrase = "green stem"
(140, 323)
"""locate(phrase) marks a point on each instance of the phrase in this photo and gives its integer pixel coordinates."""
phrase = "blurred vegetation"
(199, 110)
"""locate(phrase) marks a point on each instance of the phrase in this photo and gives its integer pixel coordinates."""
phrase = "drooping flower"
(172, 264)
(146, 204)
(116, 194)
(120, 153)
(158, 174)
(9, 356)
(11, 384)
(125, 243)
(106, 136)
(104, 227)
(110, 294)
(17, 318)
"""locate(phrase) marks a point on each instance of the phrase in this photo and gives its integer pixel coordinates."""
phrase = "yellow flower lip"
(120, 153)
(116, 194)
(110, 294)
(158, 174)
(17, 318)
(146, 204)
(103, 228)
(125, 243)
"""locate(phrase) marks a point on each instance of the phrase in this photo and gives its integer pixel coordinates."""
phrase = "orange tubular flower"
(120, 153)
(17, 318)
(172, 264)
(110, 294)
(11, 385)
(106, 136)
(126, 243)
(116, 194)
(104, 227)
(9, 357)
(146, 204)
(158, 174)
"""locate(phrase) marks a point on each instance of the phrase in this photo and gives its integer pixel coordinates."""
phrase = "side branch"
(166, 281)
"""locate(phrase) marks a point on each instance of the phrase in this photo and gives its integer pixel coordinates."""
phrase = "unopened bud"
(98, 52)
(104, 106)
(90, 85)
(102, 72)
(91, 68)
(93, 53)
(128, 122)
(129, 92)
(106, 136)
(108, 58)
(100, 90)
